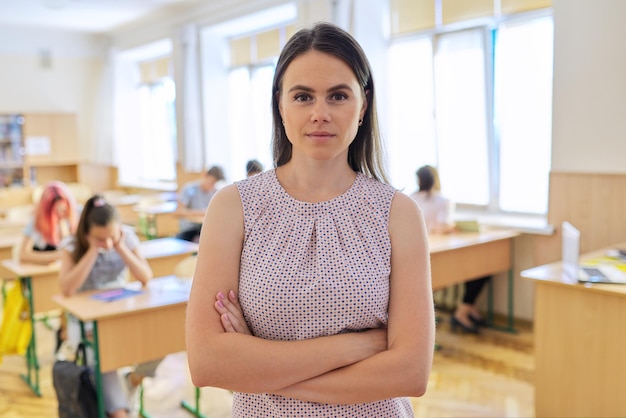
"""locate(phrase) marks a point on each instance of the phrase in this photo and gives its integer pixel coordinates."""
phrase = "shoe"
(455, 323)
(479, 322)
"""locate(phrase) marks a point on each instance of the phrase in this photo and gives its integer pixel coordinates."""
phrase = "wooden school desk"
(462, 256)
(163, 254)
(42, 281)
(580, 344)
(6, 245)
(39, 282)
(157, 220)
(136, 329)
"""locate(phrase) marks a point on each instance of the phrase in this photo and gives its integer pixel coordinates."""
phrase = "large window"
(238, 61)
(476, 103)
(251, 89)
(144, 117)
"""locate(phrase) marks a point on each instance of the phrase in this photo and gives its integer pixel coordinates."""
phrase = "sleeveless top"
(310, 270)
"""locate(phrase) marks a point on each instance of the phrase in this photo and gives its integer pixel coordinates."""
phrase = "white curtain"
(101, 149)
(189, 103)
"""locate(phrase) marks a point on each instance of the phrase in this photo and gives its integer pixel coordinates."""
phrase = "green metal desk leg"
(195, 410)
(95, 345)
(510, 327)
(32, 363)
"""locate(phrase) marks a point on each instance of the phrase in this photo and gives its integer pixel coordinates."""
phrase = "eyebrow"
(341, 86)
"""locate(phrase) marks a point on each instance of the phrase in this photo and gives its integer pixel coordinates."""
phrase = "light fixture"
(55, 4)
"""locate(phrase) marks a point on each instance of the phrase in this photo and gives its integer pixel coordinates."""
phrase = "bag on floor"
(74, 384)
(17, 328)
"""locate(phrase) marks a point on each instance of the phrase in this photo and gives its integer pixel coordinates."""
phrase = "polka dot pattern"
(314, 269)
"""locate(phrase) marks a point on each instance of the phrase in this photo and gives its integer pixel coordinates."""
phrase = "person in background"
(438, 212)
(193, 200)
(253, 167)
(312, 292)
(97, 257)
(55, 218)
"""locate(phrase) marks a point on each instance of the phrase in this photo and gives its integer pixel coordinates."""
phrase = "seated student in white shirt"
(438, 212)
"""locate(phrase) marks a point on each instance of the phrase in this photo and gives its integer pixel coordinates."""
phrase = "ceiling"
(81, 15)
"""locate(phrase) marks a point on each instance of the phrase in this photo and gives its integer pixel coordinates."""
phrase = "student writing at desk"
(55, 218)
(193, 201)
(97, 258)
(438, 212)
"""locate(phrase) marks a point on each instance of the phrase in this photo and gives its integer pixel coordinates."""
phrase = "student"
(193, 201)
(312, 292)
(97, 258)
(55, 218)
(438, 212)
(253, 167)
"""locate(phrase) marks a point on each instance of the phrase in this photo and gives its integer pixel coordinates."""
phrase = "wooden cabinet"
(48, 149)
(60, 130)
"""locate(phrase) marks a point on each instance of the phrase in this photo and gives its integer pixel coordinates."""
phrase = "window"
(251, 90)
(523, 114)
(238, 61)
(144, 117)
(476, 103)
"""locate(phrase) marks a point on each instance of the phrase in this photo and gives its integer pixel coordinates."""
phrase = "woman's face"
(321, 103)
(104, 236)
(60, 208)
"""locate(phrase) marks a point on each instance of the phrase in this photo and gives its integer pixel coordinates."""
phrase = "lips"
(320, 136)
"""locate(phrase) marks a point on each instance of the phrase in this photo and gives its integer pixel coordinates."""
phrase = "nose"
(321, 112)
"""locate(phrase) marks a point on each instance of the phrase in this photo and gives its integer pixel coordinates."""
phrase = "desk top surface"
(30, 270)
(156, 209)
(8, 241)
(448, 242)
(554, 274)
(163, 247)
(156, 248)
(160, 292)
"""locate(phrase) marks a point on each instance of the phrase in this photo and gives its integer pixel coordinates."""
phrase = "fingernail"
(220, 295)
(220, 304)
(231, 294)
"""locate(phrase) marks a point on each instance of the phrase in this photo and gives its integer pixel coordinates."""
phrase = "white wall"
(52, 71)
(589, 114)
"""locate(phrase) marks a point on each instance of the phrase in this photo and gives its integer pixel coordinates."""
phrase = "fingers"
(231, 314)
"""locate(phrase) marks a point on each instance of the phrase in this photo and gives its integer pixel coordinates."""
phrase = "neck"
(315, 184)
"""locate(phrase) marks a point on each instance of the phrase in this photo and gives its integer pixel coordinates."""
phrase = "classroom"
(139, 101)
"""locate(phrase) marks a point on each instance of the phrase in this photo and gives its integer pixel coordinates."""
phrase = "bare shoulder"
(226, 200)
(405, 216)
(403, 205)
(224, 214)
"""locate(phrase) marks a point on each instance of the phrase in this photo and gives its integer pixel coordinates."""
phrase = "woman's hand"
(231, 313)
(119, 240)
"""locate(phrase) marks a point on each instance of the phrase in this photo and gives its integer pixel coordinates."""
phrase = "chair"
(186, 268)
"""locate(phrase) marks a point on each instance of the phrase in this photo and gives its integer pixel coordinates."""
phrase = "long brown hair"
(365, 153)
(96, 212)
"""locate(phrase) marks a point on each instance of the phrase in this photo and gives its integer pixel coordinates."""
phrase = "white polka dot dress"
(311, 270)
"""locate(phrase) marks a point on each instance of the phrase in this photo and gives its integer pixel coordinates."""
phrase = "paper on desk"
(115, 294)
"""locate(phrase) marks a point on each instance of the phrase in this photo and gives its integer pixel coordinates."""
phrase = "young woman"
(312, 292)
(438, 213)
(55, 218)
(97, 258)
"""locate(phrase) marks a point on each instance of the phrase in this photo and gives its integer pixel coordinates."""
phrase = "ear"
(365, 104)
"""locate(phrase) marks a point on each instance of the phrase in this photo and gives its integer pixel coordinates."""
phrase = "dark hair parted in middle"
(96, 212)
(365, 154)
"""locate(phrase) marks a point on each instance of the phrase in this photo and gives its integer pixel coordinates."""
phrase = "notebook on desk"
(570, 252)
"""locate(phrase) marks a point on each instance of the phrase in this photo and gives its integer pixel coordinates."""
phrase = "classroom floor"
(489, 375)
